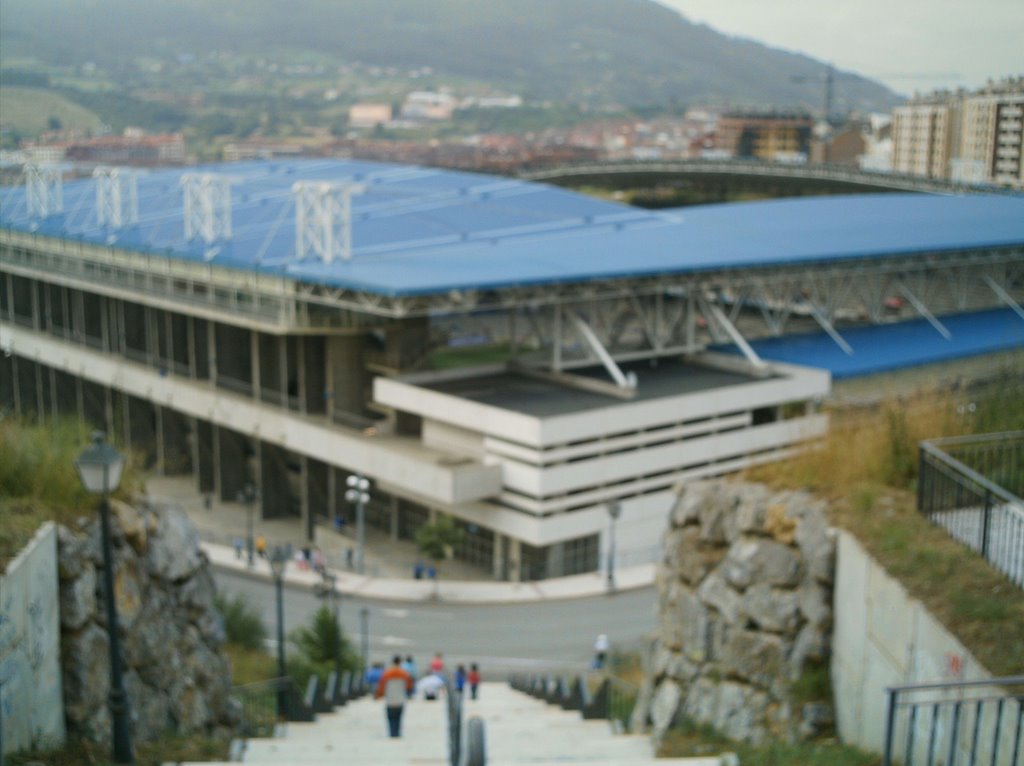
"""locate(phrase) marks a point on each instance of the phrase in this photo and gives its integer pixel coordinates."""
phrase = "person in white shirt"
(430, 686)
(601, 647)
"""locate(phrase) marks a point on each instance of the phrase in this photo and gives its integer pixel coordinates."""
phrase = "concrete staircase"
(519, 730)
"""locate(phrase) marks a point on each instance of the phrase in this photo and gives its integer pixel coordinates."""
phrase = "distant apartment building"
(992, 128)
(422, 105)
(968, 137)
(925, 134)
(134, 148)
(367, 115)
(769, 137)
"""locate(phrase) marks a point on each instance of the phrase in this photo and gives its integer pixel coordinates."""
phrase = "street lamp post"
(330, 591)
(614, 511)
(358, 493)
(99, 466)
(278, 560)
(248, 496)
(364, 618)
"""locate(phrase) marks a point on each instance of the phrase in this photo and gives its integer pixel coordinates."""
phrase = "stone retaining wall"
(745, 610)
(171, 635)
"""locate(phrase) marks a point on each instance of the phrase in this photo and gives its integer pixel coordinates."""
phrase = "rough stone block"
(775, 611)
(751, 560)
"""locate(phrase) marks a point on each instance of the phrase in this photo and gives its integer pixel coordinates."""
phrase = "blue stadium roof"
(880, 348)
(422, 231)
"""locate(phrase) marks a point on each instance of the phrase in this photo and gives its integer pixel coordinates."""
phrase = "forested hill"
(594, 52)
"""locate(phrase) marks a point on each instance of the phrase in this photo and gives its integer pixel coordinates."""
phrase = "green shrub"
(317, 644)
(242, 622)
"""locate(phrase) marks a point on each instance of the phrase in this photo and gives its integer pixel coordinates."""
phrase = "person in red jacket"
(394, 686)
(474, 680)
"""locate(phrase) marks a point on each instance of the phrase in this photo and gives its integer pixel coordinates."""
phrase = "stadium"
(541, 366)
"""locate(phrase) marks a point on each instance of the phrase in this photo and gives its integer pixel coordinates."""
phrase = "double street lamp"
(248, 497)
(358, 493)
(100, 466)
(278, 560)
(614, 511)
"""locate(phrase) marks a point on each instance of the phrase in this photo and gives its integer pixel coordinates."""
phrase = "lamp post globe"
(358, 493)
(100, 467)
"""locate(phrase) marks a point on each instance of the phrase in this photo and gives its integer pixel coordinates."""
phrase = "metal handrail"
(955, 722)
(934, 448)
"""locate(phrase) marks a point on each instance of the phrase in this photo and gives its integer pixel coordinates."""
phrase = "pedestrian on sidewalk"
(460, 678)
(394, 686)
(409, 666)
(437, 664)
(601, 647)
(430, 686)
(238, 547)
(261, 546)
(474, 679)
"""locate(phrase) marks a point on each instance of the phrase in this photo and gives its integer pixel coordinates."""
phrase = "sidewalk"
(388, 563)
(223, 557)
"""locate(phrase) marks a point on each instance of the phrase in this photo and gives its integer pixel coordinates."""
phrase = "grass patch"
(689, 739)
(39, 483)
(171, 748)
(29, 111)
(249, 666)
(470, 356)
(866, 470)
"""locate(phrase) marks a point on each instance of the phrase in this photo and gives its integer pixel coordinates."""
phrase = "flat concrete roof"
(540, 398)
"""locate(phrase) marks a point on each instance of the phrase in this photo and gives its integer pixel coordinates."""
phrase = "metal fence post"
(890, 725)
(985, 522)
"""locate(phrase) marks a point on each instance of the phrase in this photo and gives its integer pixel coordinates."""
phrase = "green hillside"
(594, 53)
(30, 111)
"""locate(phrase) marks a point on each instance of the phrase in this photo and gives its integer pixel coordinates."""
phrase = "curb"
(408, 591)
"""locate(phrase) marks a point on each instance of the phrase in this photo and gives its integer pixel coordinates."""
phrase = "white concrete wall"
(31, 696)
(883, 638)
(401, 462)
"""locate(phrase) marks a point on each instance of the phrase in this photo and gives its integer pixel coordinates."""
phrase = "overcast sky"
(941, 43)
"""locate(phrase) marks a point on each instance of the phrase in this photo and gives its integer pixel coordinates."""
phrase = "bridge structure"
(538, 365)
(778, 176)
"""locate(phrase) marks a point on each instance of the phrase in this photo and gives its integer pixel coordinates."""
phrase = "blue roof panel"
(421, 231)
(880, 348)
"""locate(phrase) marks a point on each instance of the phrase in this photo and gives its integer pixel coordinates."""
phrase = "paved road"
(500, 637)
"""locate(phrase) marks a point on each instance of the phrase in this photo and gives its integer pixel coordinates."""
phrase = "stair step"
(519, 731)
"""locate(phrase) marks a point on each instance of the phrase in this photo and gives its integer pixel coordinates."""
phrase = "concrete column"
(343, 367)
(80, 399)
(211, 350)
(304, 510)
(126, 422)
(514, 553)
(108, 409)
(215, 460)
(190, 339)
(54, 399)
(300, 353)
(16, 381)
(205, 466)
(332, 492)
(161, 452)
(393, 512)
(105, 323)
(37, 320)
(499, 559)
(231, 463)
(254, 359)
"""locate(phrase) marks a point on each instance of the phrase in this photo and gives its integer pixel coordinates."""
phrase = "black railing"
(266, 703)
(969, 722)
(972, 487)
(595, 695)
(454, 723)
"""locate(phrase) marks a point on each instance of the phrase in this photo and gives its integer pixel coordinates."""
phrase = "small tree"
(242, 622)
(437, 540)
(317, 645)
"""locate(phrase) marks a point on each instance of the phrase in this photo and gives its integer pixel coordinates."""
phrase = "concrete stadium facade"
(605, 395)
